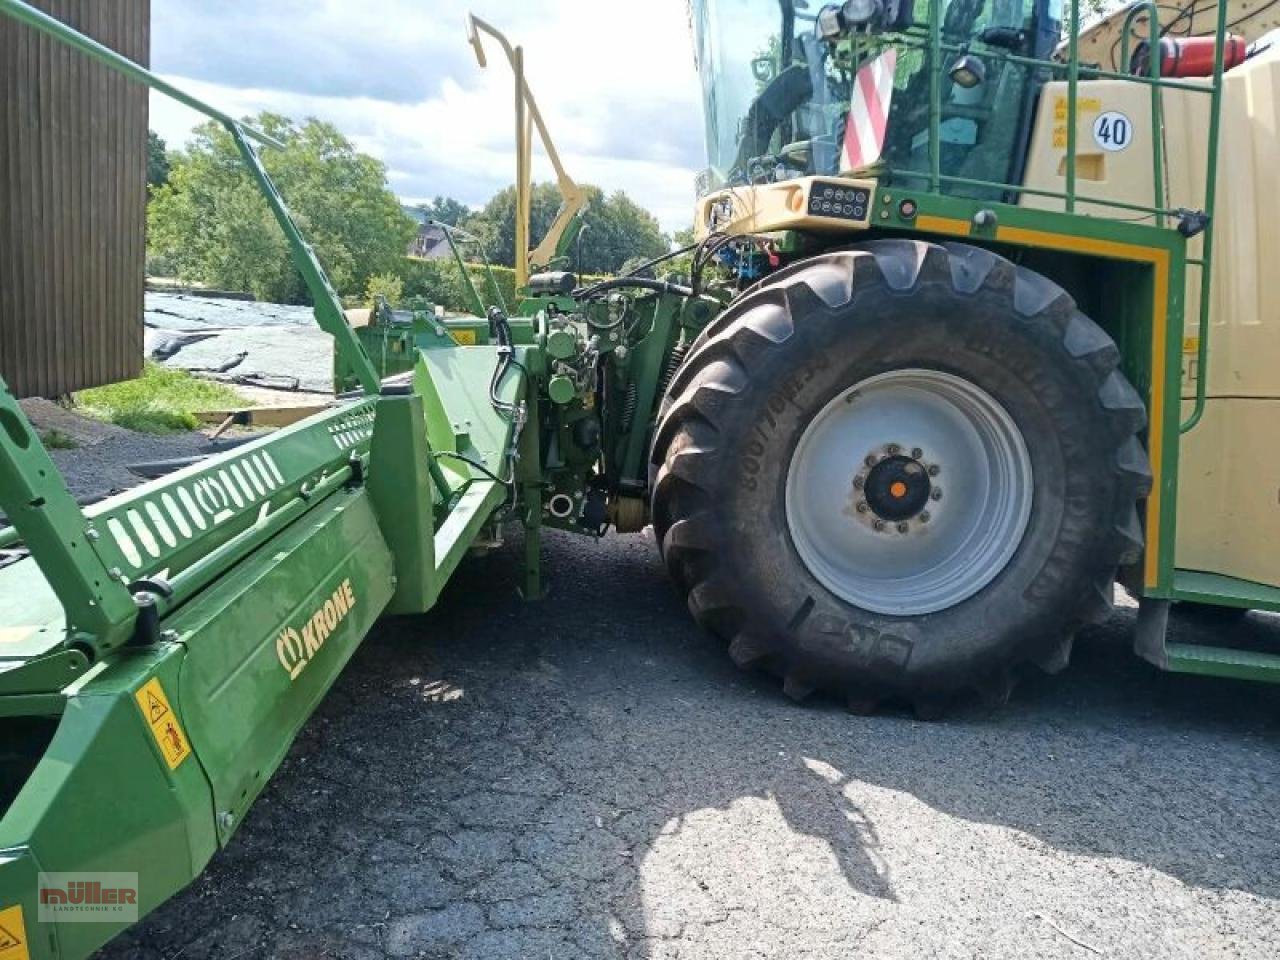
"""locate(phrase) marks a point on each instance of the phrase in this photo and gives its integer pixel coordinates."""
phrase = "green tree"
(157, 161)
(446, 210)
(681, 266)
(212, 224)
(618, 229)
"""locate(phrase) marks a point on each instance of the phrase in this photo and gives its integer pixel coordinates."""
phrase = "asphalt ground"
(589, 776)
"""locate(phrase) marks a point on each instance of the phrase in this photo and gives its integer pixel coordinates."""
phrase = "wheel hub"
(896, 488)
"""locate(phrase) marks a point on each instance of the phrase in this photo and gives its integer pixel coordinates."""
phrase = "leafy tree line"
(211, 225)
(207, 223)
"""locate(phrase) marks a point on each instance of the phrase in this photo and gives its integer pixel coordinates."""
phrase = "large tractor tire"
(899, 472)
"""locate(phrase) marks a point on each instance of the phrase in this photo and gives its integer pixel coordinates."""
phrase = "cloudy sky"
(614, 79)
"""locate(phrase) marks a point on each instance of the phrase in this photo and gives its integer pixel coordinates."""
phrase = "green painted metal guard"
(99, 610)
(452, 234)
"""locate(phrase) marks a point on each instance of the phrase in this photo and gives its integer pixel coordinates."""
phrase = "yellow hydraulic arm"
(573, 199)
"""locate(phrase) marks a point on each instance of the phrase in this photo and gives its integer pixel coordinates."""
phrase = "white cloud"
(615, 82)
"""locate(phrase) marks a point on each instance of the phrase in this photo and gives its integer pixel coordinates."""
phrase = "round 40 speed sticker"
(1112, 130)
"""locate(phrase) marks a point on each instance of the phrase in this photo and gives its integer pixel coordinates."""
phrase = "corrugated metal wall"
(73, 148)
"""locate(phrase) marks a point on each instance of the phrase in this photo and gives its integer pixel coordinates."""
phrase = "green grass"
(57, 440)
(162, 400)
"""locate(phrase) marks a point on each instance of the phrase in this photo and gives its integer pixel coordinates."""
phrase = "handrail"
(935, 94)
(1073, 85)
(1206, 250)
(328, 307)
(1154, 58)
(529, 117)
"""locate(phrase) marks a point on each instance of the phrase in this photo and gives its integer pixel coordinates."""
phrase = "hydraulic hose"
(642, 283)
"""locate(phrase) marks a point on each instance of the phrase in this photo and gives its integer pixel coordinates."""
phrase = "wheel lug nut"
(924, 516)
(916, 453)
(892, 449)
(934, 470)
(858, 482)
(903, 527)
(936, 494)
(878, 525)
(861, 508)
(871, 459)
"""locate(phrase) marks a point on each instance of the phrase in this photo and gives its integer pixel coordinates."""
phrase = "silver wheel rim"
(978, 495)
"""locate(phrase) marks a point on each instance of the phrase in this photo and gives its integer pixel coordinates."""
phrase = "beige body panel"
(1229, 465)
(787, 205)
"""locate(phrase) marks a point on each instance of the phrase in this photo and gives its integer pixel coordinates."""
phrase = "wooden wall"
(73, 149)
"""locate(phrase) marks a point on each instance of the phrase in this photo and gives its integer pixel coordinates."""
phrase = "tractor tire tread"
(719, 365)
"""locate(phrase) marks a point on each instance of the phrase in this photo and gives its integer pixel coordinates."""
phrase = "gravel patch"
(102, 469)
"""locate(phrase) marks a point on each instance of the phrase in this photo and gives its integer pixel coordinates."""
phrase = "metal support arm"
(573, 199)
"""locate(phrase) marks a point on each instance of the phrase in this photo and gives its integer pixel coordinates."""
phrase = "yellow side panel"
(1229, 491)
(1123, 175)
(1244, 333)
(1229, 465)
(1245, 316)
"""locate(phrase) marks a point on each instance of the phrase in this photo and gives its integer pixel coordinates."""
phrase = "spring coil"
(628, 408)
(678, 353)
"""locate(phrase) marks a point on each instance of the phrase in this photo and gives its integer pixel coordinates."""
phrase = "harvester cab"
(943, 93)
(790, 91)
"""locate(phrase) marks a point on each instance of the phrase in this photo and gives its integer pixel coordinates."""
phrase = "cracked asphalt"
(589, 776)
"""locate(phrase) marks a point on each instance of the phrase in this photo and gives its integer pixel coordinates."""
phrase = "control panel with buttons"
(839, 200)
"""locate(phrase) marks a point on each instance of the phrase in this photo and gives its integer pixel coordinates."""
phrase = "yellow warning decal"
(465, 337)
(1190, 344)
(13, 935)
(164, 726)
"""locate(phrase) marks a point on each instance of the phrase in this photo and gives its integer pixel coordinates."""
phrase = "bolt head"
(935, 493)
(879, 524)
(893, 449)
(916, 453)
(934, 470)
(91, 534)
(904, 527)
(858, 481)
(871, 460)
(862, 507)
(924, 516)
